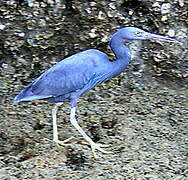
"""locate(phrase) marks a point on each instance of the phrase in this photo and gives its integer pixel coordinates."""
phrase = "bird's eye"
(137, 33)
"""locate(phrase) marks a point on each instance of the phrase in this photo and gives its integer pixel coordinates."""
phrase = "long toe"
(98, 147)
(88, 144)
(65, 142)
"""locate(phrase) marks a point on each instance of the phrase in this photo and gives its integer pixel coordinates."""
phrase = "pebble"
(93, 4)
(101, 15)
(171, 33)
(2, 26)
(131, 12)
(165, 8)
(92, 34)
(112, 6)
(181, 3)
(22, 34)
(164, 18)
(156, 4)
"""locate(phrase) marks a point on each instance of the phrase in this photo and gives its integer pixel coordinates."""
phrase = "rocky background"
(142, 114)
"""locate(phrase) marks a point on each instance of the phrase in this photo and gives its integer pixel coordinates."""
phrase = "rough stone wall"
(35, 34)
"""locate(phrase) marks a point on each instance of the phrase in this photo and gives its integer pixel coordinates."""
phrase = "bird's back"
(75, 74)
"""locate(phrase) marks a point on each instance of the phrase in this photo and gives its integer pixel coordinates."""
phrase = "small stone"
(30, 3)
(93, 3)
(21, 60)
(4, 65)
(50, 1)
(88, 10)
(156, 4)
(171, 33)
(92, 34)
(101, 15)
(112, 6)
(109, 14)
(165, 8)
(181, 3)
(164, 18)
(104, 39)
(21, 34)
(131, 13)
(2, 26)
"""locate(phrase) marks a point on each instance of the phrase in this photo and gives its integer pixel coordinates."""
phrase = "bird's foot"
(96, 146)
(88, 144)
(65, 142)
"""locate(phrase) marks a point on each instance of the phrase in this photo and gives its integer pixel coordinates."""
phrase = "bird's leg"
(55, 132)
(94, 146)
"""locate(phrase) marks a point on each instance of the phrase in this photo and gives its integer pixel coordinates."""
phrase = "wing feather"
(69, 75)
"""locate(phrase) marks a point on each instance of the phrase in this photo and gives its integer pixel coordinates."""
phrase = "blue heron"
(70, 78)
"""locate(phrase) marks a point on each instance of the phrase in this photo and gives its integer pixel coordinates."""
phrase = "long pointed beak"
(150, 36)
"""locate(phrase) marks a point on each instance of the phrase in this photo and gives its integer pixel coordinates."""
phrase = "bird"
(71, 77)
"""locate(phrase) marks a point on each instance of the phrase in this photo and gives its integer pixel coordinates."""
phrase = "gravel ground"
(145, 129)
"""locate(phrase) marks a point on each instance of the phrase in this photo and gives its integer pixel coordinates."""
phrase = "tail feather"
(27, 95)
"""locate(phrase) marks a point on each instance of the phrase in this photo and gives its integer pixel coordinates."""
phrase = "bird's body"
(71, 77)
(77, 74)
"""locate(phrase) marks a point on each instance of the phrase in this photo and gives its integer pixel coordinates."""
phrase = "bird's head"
(132, 33)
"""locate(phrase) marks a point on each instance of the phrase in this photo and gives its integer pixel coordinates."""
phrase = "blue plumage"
(73, 76)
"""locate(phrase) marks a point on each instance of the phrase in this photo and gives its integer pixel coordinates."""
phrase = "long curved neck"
(117, 46)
